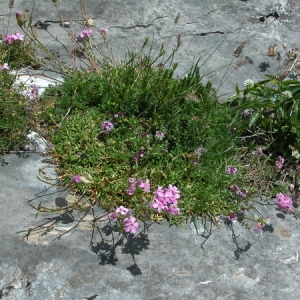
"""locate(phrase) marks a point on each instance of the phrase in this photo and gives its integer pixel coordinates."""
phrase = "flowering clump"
(11, 38)
(231, 170)
(107, 126)
(284, 202)
(166, 200)
(128, 220)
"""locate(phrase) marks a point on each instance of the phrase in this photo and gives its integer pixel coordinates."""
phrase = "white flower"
(287, 94)
(249, 83)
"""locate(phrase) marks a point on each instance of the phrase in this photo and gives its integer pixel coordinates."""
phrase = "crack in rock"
(140, 25)
(206, 33)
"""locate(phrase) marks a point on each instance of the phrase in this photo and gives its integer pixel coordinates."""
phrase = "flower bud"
(89, 22)
(21, 17)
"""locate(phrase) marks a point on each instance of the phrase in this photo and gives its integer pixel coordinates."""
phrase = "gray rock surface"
(210, 29)
(162, 262)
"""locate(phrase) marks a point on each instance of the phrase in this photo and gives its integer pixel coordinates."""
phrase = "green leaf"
(254, 118)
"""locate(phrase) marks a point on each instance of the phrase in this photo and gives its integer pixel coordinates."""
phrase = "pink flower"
(107, 126)
(18, 36)
(131, 186)
(85, 34)
(236, 190)
(159, 134)
(231, 170)
(261, 224)
(284, 202)
(158, 205)
(172, 194)
(10, 38)
(123, 210)
(232, 217)
(102, 30)
(279, 163)
(113, 216)
(173, 210)
(5, 66)
(130, 224)
(242, 192)
(259, 227)
(159, 195)
(144, 185)
(33, 93)
(76, 178)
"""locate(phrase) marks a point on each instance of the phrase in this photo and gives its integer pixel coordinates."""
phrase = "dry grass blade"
(239, 49)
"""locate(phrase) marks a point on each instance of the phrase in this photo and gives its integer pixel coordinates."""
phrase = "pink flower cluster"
(284, 202)
(10, 38)
(130, 223)
(166, 199)
(85, 34)
(231, 170)
(107, 126)
(133, 184)
(236, 190)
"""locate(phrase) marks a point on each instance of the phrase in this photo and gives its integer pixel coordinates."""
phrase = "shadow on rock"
(130, 244)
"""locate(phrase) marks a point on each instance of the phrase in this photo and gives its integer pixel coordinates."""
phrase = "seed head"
(239, 49)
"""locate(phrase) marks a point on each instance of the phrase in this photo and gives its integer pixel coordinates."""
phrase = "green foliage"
(141, 100)
(18, 55)
(13, 120)
(13, 114)
(273, 106)
(152, 93)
